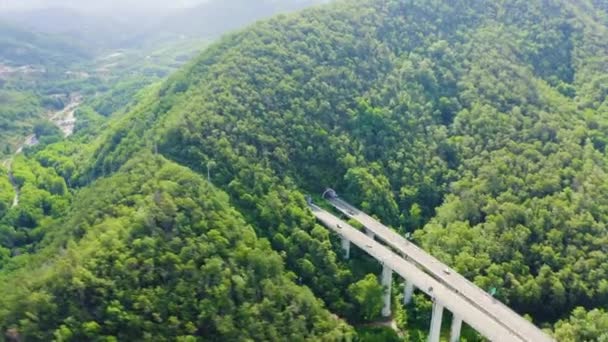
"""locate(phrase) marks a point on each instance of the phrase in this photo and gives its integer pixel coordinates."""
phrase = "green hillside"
(478, 125)
(187, 265)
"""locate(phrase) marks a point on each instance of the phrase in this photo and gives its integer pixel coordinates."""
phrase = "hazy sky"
(97, 5)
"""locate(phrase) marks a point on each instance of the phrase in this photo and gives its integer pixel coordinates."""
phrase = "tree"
(367, 294)
(583, 326)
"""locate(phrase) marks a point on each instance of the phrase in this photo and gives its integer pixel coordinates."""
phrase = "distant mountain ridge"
(123, 30)
(91, 31)
(218, 16)
(21, 47)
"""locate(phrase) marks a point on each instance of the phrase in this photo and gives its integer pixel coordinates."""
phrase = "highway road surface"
(523, 328)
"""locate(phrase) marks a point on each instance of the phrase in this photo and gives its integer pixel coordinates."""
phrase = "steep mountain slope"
(497, 114)
(163, 256)
(481, 125)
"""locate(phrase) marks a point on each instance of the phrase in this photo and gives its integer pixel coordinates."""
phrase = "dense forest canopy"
(184, 242)
(480, 126)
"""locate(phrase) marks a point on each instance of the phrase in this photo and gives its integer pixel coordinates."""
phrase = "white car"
(447, 271)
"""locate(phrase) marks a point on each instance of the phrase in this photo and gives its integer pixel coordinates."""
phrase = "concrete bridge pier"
(369, 233)
(346, 247)
(408, 292)
(456, 326)
(387, 281)
(468, 303)
(435, 330)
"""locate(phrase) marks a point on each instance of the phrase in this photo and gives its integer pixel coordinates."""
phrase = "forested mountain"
(481, 126)
(188, 264)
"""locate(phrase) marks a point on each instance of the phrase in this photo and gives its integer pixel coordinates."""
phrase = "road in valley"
(64, 119)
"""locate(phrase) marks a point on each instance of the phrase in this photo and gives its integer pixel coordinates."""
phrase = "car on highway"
(447, 271)
(339, 226)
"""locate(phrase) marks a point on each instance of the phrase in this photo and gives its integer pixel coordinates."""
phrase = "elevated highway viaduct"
(448, 289)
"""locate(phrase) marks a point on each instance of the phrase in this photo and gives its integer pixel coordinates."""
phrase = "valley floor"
(65, 119)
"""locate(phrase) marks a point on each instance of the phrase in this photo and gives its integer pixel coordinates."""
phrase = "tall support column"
(456, 326)
(408, 292)
(369, 233)
(346, 247)
(387, 281)
(435, 330)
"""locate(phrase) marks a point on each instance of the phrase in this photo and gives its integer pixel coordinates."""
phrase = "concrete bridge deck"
(493, 307)
(432, 280)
